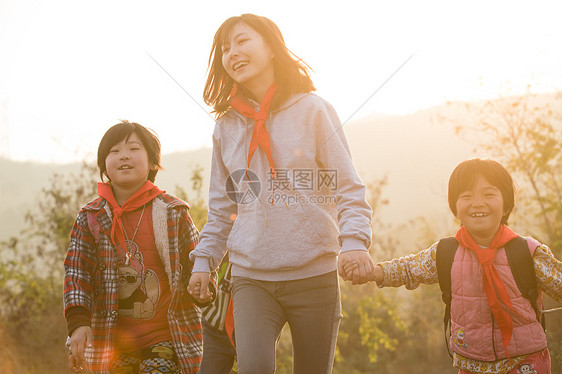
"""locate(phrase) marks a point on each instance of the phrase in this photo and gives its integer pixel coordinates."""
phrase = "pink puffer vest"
(474, 333)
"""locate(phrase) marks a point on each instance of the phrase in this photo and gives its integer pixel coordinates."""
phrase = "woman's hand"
(357, 266)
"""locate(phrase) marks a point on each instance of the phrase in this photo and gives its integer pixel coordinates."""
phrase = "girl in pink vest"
(494, 329)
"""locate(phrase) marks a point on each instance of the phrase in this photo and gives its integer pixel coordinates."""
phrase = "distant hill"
(416, 152)
(21, 182)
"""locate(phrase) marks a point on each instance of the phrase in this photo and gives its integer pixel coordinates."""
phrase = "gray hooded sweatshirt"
(292, 226)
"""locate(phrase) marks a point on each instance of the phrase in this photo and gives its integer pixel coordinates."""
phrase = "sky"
(71, 69)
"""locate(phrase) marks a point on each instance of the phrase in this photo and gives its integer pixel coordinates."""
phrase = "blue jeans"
(310, 306)
(218, 352)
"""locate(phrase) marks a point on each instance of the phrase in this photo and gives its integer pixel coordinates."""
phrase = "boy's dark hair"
(465, 175)
(291, 73)
(123, 131)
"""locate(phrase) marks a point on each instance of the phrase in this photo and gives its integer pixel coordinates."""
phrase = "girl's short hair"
(292, 75)
(465, 175)
(123, 131)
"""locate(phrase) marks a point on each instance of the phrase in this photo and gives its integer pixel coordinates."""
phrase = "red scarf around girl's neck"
(145, 194)
(260, 136)
(494, 287)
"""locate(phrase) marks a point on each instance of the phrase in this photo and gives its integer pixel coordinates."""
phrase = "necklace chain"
(127, 253)
(138, 225)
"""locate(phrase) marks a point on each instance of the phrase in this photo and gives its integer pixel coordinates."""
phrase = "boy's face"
(127, 164)
(480, 210)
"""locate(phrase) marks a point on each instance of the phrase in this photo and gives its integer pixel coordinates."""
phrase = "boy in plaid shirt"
(127, 268)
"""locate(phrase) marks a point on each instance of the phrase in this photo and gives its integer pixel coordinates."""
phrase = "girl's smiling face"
(248, 59)
(480, 209)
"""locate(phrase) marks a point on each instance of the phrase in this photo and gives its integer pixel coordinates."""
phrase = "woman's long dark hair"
(291, 73)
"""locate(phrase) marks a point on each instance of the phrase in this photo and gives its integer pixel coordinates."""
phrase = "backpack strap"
(446, 250)
(522, 267)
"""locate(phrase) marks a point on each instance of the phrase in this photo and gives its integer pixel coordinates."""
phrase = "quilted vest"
(474, 332)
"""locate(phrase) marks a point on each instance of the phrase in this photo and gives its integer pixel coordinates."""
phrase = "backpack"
(520, 262)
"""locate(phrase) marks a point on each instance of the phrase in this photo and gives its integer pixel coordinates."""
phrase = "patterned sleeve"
(79, 266)
(189, 235)
(411, 270)
(188, 238)
(549, 272)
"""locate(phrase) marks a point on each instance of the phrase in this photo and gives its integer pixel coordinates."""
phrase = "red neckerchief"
(260, 136)
(493, 285)
(145, 194)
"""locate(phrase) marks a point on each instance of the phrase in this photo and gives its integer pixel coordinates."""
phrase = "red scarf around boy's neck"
(260, 136)
(145, 194)
(493, 285)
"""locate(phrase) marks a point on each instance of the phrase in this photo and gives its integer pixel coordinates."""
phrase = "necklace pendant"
(130, 251)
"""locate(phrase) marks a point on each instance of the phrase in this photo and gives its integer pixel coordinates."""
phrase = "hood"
(291, 101)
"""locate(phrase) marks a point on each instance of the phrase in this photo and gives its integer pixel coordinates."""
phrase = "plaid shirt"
(91, 279)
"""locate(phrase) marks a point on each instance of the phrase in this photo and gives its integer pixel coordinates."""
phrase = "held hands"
(81, 337)
(198, 287)
(378, 272)
(356, 266)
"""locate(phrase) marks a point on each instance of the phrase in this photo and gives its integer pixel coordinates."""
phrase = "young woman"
(285, 199)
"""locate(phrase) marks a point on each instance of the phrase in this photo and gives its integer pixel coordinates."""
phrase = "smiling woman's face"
(247, 58)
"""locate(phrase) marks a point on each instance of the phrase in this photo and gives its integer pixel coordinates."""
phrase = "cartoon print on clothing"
(159, 358)
(527, 369)
(459, 339)
(139, 290)
(166, 353)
